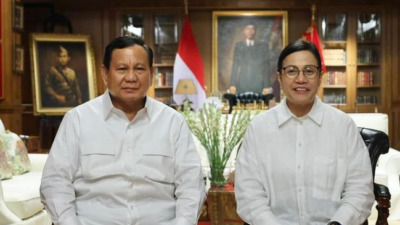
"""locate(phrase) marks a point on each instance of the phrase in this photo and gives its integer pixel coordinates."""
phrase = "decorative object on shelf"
(18, 62)
(246, 46)
(186, 87)
(63, 74)
(57, 23)
(18, 16)
(219, 134)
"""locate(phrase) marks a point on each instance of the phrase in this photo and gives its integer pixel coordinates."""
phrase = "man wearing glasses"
(303, 162)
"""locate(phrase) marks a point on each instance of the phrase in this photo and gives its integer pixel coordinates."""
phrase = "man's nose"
(131, 76)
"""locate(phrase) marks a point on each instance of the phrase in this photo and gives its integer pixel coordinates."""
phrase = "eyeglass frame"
(299, 70)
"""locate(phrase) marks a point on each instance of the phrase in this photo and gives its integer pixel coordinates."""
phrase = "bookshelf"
(161, 31)
(352, 49)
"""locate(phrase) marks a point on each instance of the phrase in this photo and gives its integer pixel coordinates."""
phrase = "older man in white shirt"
(303, 162)
(124, 158)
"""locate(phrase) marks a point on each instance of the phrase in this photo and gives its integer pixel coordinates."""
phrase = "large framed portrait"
(246, 47)
(63, 73)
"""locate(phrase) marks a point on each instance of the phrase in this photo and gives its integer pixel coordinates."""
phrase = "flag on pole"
(188, 65)
(311, 35)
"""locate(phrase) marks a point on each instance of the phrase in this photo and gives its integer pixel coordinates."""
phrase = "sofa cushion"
(6, 169)
(17, 152)
(22, 195)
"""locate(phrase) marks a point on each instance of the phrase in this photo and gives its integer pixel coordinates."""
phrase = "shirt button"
(299, 144)
(299, 189)
(299, 167)
(128, 150)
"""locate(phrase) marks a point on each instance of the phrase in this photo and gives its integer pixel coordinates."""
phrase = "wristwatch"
(334, 223)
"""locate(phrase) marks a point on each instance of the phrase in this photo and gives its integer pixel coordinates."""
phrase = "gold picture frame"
(18, 16)
(63, 72)
(267, 33)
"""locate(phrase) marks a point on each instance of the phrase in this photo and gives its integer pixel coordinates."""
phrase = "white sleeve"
(189, 183)
(57, 191)
(358, 195)
(253, 203)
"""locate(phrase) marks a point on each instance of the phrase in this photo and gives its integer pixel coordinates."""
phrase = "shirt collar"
(148, 109)
(107, 104)
(249, 42)
(316, 113)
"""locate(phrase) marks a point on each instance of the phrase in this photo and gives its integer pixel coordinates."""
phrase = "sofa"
(20, 198)
(387, 171)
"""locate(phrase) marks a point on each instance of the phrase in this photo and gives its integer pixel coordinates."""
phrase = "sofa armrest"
(37, 161)
(6, 216)
(381, 191)
(390, 164)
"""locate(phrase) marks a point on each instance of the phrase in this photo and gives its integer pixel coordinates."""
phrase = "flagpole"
(185, 2)
(313, 9)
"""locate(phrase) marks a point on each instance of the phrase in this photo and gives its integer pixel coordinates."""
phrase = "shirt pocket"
(324, 178)
(97, 159)
(157, 163)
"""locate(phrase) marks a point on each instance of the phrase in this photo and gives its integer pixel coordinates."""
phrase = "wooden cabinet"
(161, 31)
(352, 46)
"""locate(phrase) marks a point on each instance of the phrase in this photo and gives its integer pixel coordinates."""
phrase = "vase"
(217, 178)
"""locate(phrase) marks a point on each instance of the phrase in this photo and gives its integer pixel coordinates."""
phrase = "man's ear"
(104, 73)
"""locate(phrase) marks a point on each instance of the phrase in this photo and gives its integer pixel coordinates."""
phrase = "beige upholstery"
(20, 197)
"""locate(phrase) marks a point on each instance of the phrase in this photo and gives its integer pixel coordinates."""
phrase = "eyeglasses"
(309, 71)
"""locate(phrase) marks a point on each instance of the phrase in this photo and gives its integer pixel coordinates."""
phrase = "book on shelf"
(367, 56)
(367, 99)
(163, 79)
(365, 78)
(335, 99)
(334, 56)
(335, 78)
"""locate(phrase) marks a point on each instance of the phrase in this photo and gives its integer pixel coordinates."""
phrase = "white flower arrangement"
(219, 135)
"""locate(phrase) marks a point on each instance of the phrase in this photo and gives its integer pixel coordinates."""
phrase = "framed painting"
(63, 73)
(246, 47)
(18, 16)
(18, 62)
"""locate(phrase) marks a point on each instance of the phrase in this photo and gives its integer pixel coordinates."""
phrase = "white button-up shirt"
(105, 169)
(308, 170)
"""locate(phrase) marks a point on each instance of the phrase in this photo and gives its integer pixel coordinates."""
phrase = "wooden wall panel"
(213, 4)
(394, 77)
(10, 106)
(90, 22)
(201, 25)
(97, 17)
(299, 20)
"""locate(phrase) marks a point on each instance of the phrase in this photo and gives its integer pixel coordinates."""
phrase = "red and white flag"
(311, 35)
(188, 65)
